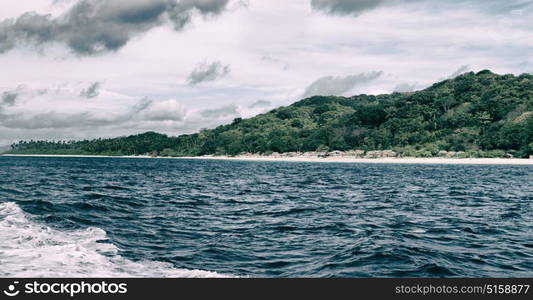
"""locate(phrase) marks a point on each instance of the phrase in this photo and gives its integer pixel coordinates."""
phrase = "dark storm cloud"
(330, 85)
(97, 26)
(357, 7)
(208, 72)
(92, 91)
(8, 98)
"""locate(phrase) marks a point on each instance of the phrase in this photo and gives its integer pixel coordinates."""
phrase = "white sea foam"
(30, 249)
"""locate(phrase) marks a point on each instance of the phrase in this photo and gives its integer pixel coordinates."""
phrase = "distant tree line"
(482, 114)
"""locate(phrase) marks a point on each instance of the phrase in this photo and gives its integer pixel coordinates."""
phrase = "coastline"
(76, 155)
(388, 160)
(402, 160)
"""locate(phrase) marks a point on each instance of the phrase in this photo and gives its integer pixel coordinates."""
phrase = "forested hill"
(483, 114)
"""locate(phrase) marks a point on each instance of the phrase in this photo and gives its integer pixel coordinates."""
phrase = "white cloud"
(275, 48)
(405, 87)
(339, 85)
(462, 69)
(168, 110)
(205, 72)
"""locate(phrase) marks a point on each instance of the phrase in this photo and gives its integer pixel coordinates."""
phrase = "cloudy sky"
(73, 69)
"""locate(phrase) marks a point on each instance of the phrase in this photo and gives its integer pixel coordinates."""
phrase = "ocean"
(135, 217)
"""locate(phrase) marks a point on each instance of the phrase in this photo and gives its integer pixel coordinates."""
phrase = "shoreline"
(77, 155)
(401, 160)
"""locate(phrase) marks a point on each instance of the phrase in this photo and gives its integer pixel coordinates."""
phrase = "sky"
(78, 69)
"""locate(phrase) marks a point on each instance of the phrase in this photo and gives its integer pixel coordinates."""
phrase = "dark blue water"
(166, 217)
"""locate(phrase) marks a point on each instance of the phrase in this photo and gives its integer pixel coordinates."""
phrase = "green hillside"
(483, 114)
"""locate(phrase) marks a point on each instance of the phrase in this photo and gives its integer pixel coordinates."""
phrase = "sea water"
(122, 217)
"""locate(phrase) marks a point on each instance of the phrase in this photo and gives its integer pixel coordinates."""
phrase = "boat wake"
(30, 249)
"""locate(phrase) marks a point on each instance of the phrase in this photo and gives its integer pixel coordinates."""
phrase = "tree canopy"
(483, 114)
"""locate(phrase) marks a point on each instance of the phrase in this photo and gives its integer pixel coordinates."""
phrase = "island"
(475, 115)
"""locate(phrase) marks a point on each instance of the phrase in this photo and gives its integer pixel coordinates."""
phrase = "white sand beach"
(402, 160)
(388, 160)
(74, 156)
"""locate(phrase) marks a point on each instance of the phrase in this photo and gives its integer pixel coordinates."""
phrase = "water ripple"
(146, 217)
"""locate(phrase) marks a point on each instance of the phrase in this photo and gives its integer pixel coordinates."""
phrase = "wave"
(30, 249)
